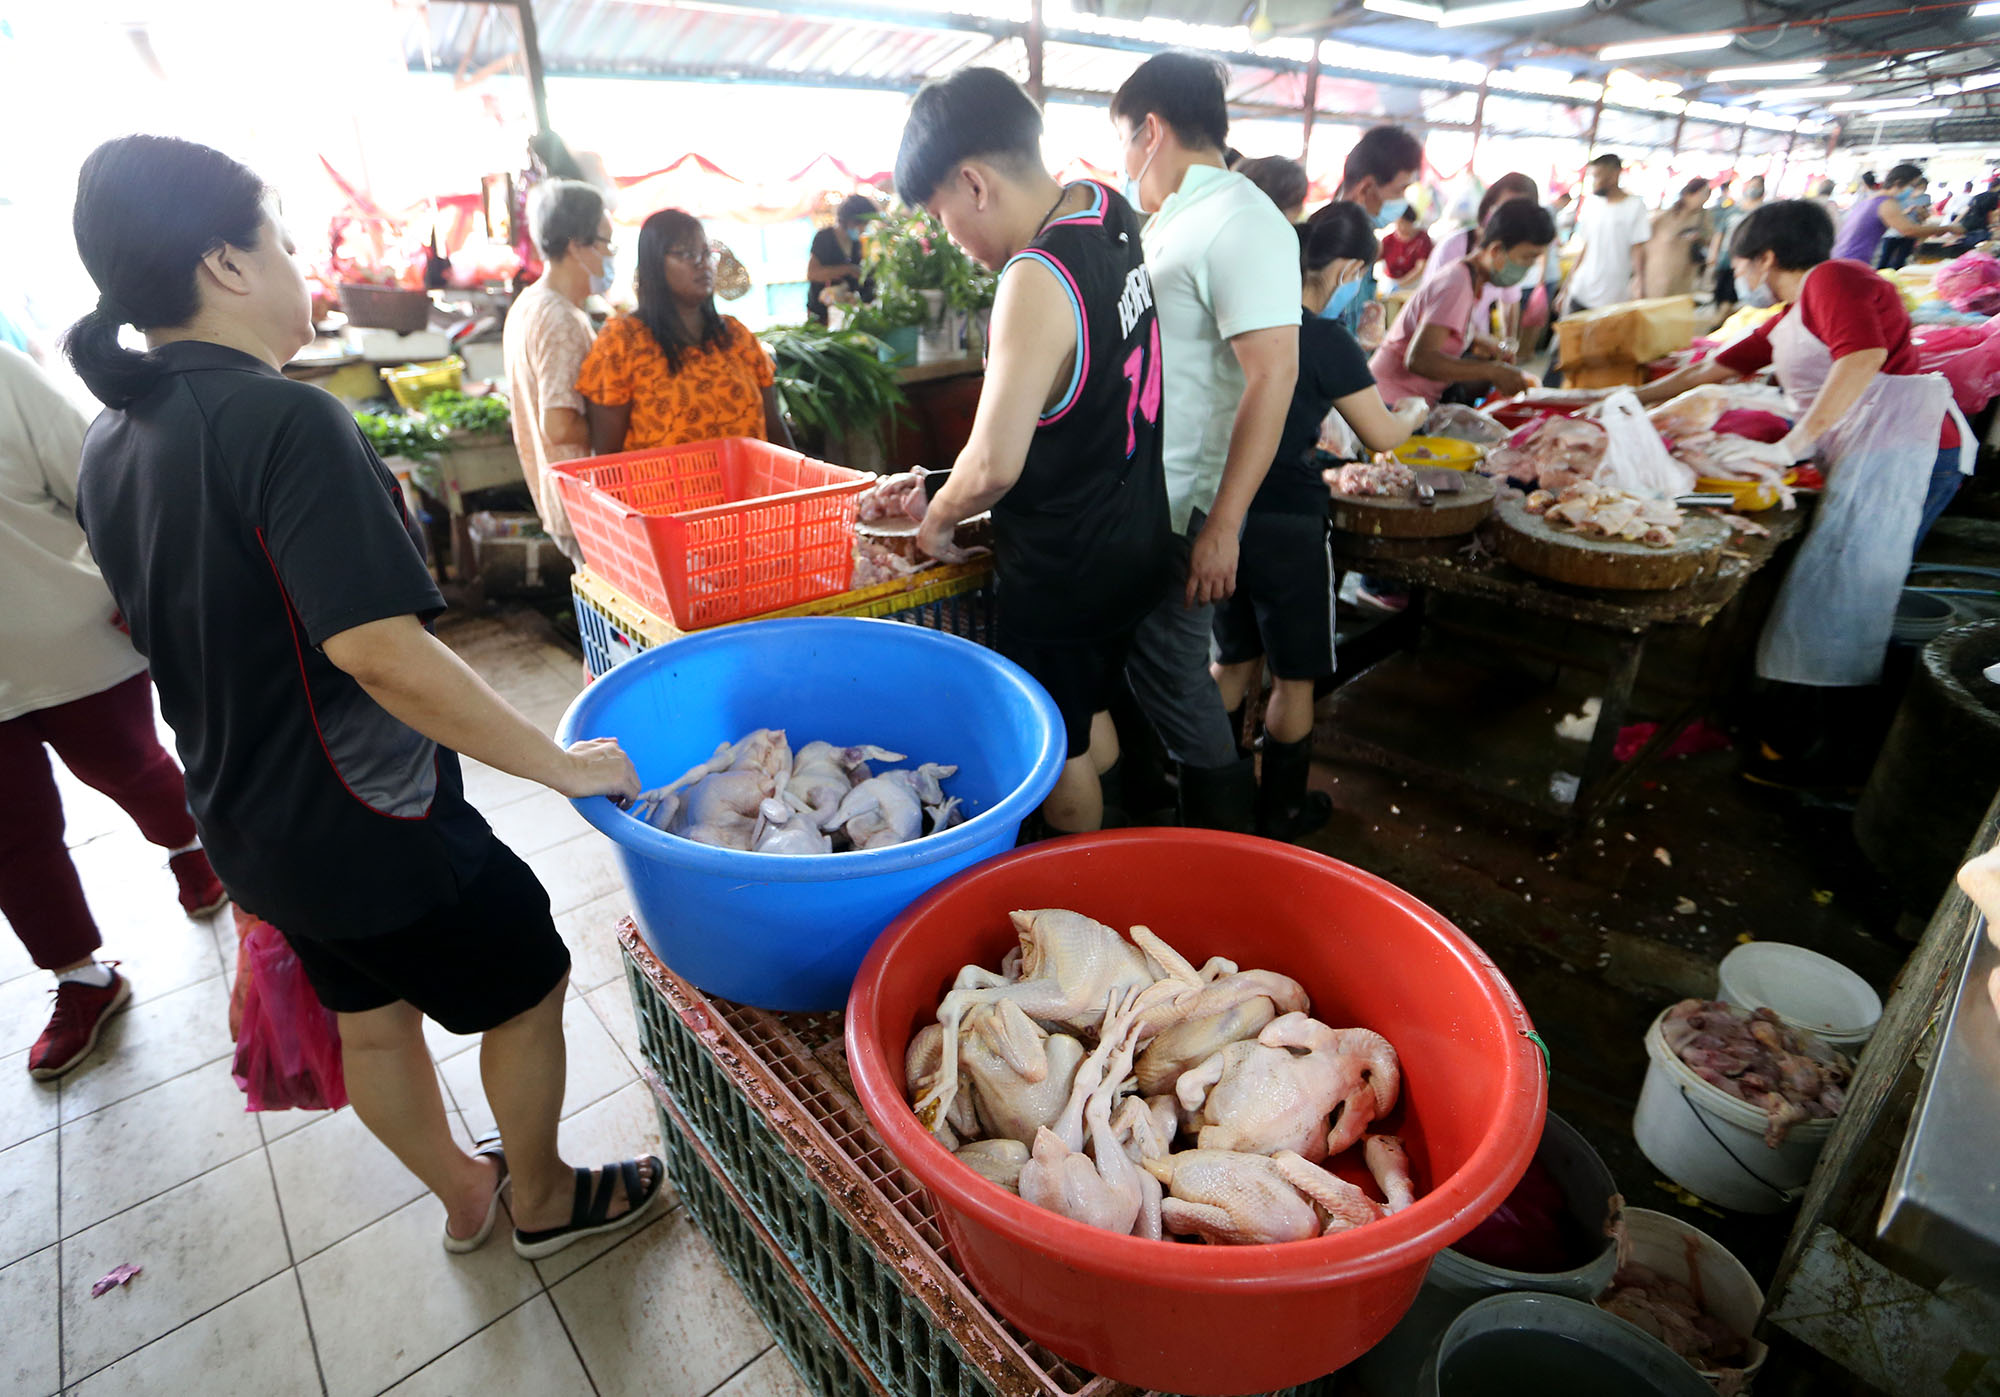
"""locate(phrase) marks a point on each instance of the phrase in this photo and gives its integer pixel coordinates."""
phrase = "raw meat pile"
(1688, 425)
(754, 795)
(1383, 476)
(1551, 453)
(1671, 1313)
(894, 497)
(1597, 512)
(1785, 1072)
(876, 562)
(1069, 1075)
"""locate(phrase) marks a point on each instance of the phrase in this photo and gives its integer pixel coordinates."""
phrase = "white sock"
(184, 849)
(97, 975)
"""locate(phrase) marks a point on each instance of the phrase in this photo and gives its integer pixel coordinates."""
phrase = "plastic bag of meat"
(1550, 453)
(1970, 283)
(1967, 355)
(1635, 459)
(1462, 423)
(1693, 411)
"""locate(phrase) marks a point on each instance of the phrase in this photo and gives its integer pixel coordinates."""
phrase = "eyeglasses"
(610, 248)
(691, 257)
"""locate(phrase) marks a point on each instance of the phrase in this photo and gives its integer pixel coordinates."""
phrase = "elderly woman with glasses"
(675, 370)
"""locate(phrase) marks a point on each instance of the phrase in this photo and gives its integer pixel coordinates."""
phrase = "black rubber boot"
(1112, 784)
(1287, 808)
(1145, 788)
(1236, 728)
(1220, 797)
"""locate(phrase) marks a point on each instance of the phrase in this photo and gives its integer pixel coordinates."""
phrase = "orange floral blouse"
(717, 393)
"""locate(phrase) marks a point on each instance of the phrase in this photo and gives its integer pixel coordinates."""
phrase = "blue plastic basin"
(788, 932)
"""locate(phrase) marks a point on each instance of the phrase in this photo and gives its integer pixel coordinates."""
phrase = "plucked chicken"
(1383, 476)
(1786, 1072)
(1550, 453)
(1098, 1055)
(1668, 1311)
(1598, 511)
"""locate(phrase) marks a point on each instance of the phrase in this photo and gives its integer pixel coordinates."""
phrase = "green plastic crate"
(767, 1098)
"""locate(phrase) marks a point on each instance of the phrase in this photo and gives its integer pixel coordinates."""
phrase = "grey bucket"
(1511, 1344)
(1457, 1281)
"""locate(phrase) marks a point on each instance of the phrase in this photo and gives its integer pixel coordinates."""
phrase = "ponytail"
(148, 210)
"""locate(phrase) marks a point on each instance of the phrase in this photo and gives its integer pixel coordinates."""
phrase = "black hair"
(148, 209)
(1384, 152)
(1607, 159)
(660, 234)
(1284, 181)
(1518, 221)
(1509, 187)
(1341, 231)
(563, 213)
(1186, 91)
(1796, 230)
(1868, 180)
(1905, 173)
(856, 206)
(975, 112)
(1692, 185)
(1826, 188)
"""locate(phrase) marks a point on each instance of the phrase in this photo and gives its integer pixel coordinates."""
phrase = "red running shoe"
(202, 893)
(72, 1032)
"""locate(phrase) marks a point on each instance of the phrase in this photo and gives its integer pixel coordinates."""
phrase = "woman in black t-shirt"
(835, 259)
(1283, 605)
(262, 556)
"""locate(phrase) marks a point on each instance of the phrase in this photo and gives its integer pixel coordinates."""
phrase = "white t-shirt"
(1609, 231)
(543, 347)
(1224, 262)
(57, 642)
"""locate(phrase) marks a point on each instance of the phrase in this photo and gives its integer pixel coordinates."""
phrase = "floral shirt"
(719, 391)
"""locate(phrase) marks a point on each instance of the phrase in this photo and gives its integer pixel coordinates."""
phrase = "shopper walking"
(1678, 244)
(1611, 231)
(548, 336)
(69, 679)
(261, 552)
(1882, 214)
(1723, 218)
(1225, 272)
(1377, 175)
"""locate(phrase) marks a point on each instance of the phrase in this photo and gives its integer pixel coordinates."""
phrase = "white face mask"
(1131, 190)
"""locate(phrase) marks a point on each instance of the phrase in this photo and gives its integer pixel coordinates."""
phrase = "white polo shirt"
(1224, 262)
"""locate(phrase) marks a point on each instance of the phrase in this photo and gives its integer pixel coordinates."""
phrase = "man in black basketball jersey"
(1065, 446)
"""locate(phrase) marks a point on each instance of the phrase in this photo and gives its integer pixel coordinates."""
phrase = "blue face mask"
(1761, 297)
(1392, 209)
(600, 284)
(1342, 297)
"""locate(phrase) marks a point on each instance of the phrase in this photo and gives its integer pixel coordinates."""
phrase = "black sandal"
(587, 1216)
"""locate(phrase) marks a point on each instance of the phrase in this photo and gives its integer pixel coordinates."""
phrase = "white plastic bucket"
(1805, 989)
(1710, 1143)
(1722, 1285)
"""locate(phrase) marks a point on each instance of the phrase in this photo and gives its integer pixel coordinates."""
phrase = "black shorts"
(1080, 675)
(1282, 609)
(473, 965)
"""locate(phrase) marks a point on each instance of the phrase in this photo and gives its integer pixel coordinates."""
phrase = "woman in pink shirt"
(1432, 344)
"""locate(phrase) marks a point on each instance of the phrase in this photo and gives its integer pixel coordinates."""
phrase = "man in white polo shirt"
(1225, 270)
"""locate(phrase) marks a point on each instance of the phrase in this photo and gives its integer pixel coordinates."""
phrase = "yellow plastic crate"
(412, 383)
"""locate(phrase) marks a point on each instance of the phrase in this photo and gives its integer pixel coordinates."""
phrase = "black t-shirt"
(830, 251)
(1332, 365)
(240, 520)
(1083, 538)
(1978, 216)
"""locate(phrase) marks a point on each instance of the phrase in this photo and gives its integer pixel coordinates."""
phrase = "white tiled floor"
(290, 1253)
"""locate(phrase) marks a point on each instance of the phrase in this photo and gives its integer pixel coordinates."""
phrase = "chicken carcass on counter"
(1785, 1072)
(1382, 477)
(757, 796)
(1072, 1072)
(1598, 511)
(1669, 1311)
(1550, 453)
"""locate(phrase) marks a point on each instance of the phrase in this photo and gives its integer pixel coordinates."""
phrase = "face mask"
(1392, 209)
(1342, 297)
(600, 284)
(1511, 273)
(1760, 297)
(1131, 189)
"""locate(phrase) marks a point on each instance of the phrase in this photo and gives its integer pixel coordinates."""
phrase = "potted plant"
(835, 386)
(914, 254)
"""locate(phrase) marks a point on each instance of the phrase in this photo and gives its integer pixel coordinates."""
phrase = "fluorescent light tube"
(1986, 11)
(1405, 9)
(1800, 94)
(1770, 72)
(1508, 9)
(1913, 114)
(1652, 48)
(1877, 104)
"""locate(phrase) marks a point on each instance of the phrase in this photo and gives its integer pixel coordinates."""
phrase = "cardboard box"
(1633, 332)
(1606, 373)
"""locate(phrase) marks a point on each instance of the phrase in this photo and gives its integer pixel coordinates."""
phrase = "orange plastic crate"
(715, 531)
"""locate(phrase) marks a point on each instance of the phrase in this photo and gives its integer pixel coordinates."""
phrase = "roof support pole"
(1784, 160)
(531, 51)
(1312, 104)
(1033, 40)
(1478, 122)
(1596, 115)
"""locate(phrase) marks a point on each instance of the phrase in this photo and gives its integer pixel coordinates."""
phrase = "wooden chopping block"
(1401, 516)
(1533, 545)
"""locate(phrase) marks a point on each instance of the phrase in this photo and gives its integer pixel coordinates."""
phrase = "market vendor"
(1879, 214)
(1066, 444)
(1885, 435)
(676, 370)
(272, 578)
(833, 266)
(1434, 345)
(1282, 610)
(1376, 174)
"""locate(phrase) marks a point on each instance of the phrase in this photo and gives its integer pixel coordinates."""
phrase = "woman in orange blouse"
(675, 370)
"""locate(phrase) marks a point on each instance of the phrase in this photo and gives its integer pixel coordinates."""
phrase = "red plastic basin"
(1178, 1316)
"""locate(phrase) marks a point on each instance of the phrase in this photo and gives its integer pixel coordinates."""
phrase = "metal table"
(1629, 619)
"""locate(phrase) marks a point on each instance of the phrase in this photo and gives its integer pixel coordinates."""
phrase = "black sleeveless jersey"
(1083, 539)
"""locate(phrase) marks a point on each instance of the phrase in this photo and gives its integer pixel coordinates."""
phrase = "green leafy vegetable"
(831, 382)
(393, 434)
(455, 412)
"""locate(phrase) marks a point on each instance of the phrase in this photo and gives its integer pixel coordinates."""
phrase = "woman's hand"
(1508, 379)
(598, 766)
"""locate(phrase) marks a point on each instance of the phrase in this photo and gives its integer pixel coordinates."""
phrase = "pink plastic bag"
(1970, 283)
(288, 1047)
(1967, 355)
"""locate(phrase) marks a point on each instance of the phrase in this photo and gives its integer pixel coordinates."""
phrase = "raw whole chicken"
(1224, 1196)
(1103, 1188)
(763, 759)
(1021, 1074)
(1383, 476)
(923, 1070)
(890, 808)
(823, 774)
(1786, 1072)
(1598, 511)
(1231, 1009)
(783, 829)
(1722, 457)
(996, 1161)
(1262, 1097)
(1550, 453)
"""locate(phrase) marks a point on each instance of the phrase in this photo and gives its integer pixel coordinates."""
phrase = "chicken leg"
(1338, 1201)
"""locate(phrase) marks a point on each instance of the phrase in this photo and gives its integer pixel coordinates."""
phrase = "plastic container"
(716, 530)
(384, 307)
(1805, 989)
(412, 383)
(1721, 1284)
(1220, 1319)
(1710, 1143)
(1446, 453)
(1508, 1345)
(788, 932)
(1747, 496)
(1457, 1281)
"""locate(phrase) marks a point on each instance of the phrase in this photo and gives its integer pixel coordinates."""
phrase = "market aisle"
(290, 1253)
